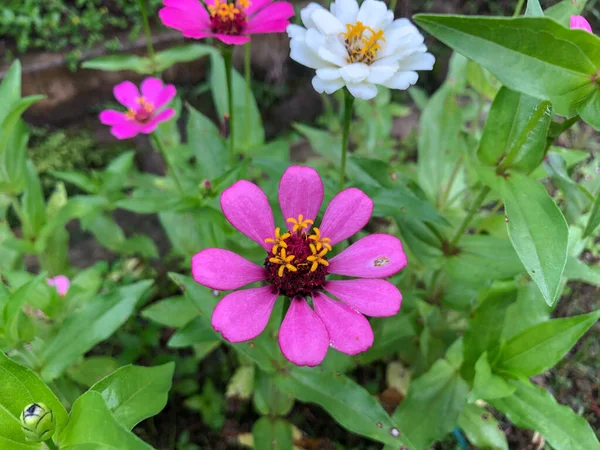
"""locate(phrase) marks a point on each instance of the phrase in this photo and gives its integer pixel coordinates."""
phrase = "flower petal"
(364, 91)
(345, 10)
(347, 214)
(329, 87)
(223, 270)
(125, 130)
(232, 39)
(162, 116)
(61, 283)
(126, 94)
(327, 23)
(579, 22)
(307, 12)
(372, 13)
(243, 315)
(375, 298)
(417, 61)
(354, 73)
(374, 256)
(402, 80)
(303, 338)
(112, 117)
(186, 16)
(270, 19)
(273, 26)
(349, 331)
(302, 53)
(150, 88)
(247, 208)
(257, 5)
(167, 94)
(300, 192)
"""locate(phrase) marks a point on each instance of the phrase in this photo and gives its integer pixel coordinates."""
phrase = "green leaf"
(95, 322)
(13, 116)
(19, 388)
(13, 160)
(93, 426)
(194, 230)
(442, 390)
(540, 347)
(184, 53)
(528, 310)
(198, 331)
(106, 230)
(594, 219)
(134, 393)
(93, 369)
(207, 144)
(272, 433)
(10, 89)
(538, 231)
(534, 9)
(348, 403)
(81, 180)
(14, 317)
(562, 11)
(115, 63)
(269, 400)
(172, 312)
(515, 131)
(487, 385)
(400, 201)
(533, 408)
(533, 55)
(482, 429)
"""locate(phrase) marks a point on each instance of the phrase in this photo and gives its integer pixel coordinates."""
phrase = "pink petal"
(579, 23)
(126, 130)
(300, 192)
(127, 93)
(61, 283)
(275, 26)
(346, 215)
(257, 5)
(150, 88)
(243, 315)
(303, 338)
(247, 208)
(162, 116)
(276, 12)
(374, 256)
(231, 39)
(112, 117)
(349, 331)
(376, 298)
(187, 21)
(224, 270)
(167, 94)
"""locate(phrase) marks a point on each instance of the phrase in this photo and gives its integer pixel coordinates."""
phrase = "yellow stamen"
(279, 240)
(301, 224)
(285, 260)
(148, 106)
(245, 3)
(226, 11)
(362, 42)
(320, 242)
(317, 258)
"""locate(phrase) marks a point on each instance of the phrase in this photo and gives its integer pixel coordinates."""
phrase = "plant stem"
(470, 214)
(453, 175)
(247, 76)
(348, 103)
(147, 32)
(51, 445)
(518, 8)
(228, 58)
(161, 148)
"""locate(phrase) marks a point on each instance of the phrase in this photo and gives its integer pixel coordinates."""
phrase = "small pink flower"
(297, 265)
(231, 23)
(145, 111)
(61, 283)
(579, 22)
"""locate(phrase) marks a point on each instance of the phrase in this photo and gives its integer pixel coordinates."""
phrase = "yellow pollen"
(245, 3)
(226, 11)
(362, 42)
(285, 260)
(279, 240)
(320, 242)
(301, 224)
(148, 106)
(130, 114)
(317, 258)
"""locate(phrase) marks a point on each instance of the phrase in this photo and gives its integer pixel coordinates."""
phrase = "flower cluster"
(61, 283)
(297, 266)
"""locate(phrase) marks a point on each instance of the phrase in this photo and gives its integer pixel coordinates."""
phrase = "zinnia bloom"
(61, 283)
(579, 22)
(297, 265)
(145, 110)
(230, 22)
(358, 48)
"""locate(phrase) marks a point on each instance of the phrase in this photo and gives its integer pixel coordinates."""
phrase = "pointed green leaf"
(487, 385)
(562, 11)
(272, 433)
(534, 9)
(116, 63)
(482, 429)
(10, 89)
(594, 219)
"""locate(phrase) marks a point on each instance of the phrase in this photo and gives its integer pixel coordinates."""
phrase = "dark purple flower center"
(228, 18)
(143, 113)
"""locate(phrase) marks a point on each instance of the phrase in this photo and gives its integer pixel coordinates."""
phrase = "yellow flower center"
(279, 240)
(300, 224)
(320, 242)
(285, 260)
(317, 258)
(362, 42)
(143, 113)
(228, 12)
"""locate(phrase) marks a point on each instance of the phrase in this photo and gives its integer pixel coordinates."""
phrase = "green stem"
(228, 57)
(519, 8)
(348, 103)
(147, 31)
(470, 214)
(247, 76)
(453, 175)
(161, 148)
(51, 445)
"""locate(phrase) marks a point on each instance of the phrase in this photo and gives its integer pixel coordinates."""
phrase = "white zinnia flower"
(358, 48)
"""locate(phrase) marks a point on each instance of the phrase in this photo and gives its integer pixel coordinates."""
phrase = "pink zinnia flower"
(579, 22)
(297, 265)
(231, 23)
(61, 283)
(145, 110)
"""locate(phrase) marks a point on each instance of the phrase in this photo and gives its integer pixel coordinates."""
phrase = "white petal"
(326, 22)
(355, 73)
(345, 10)
(329, 87)
(331, 57)
(296, 31)
(417, 61)
(329, 73)
(382, 70)
(364, 91)
(303, 54)
(387, 19)
(307, 12)
(402, 80)
(314, 39)
(372, 13)
(400, 38)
